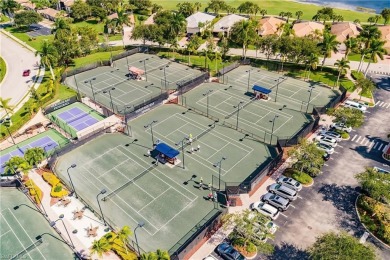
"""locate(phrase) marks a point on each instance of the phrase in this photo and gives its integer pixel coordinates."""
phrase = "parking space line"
(299, 197)
(283, 215)
(357, 140)
(380, 147)
(331, 158)
(377, 102)
(388, 105)
(326, 164)
(364, 141)
(336, 152)
(340, 146)
(292, 206)
(354, 138)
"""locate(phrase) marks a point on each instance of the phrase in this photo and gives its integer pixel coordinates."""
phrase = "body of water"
(377, 5)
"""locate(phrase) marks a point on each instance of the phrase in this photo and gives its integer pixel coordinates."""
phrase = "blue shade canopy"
(167, 150)
(261, 89)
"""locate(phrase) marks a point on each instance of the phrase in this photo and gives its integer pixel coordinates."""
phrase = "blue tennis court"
(77, 118)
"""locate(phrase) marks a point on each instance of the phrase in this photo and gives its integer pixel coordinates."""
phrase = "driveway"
(329, 204)
(17, 58)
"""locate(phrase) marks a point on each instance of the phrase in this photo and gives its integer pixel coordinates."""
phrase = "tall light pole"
(249, 79)
(53, 223)
(165, 76)
(308, 103)
(101, 212)
(219, 165)
(273, 125)
(144, 61)
(238, 112)
(25, 191)
(151, 129)
(90, 83)
(109, 93)
(71, 182)
(277, 86)
(6, 122)
(140, 225)
(182, 148)
(127, 126)
(207, 95)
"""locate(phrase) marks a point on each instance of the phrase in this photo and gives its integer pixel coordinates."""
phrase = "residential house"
(26, 4)
(270, 25)
(198, 22)
(345, 30)
(65, 5)
(225, 23)
(49, 13)
(385, 30)
(307, 28)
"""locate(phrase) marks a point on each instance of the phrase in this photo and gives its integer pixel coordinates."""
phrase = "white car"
(278, 202)
(341, 126)
(324, 147)
(265, 209)
(332, 134)
(327, 140)
(290, 183)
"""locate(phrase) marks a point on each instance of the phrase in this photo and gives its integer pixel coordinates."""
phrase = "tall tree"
(4, 104)
(298, 14)
(376, 50)
(145, 32)
(350, 45)
(342, 67)
(10, 6)
(311, 63)
(216, 5)
(350, 116)
(25, 18)
(156, 8)
(263, 12)
(80, 10)
(192, 46)
(162, 255)
(34, 155)
(17, 164)
(100, 246)
(368, 34)
(88, 39)
(186, 8)
(340, 246)
(288, 15)
(177, 25)
(66, 44)
(48, 55)
(386, 15)
(244, 33)
(328, 45)
(197, 6)
(375, 184)
(365, 86)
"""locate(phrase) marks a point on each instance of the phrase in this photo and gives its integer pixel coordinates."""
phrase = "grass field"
(3, 69)
(274, 7)
(21, 35)
(99, 56)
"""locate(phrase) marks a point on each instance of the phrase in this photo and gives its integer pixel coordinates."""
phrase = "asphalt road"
(18, 58)
(329, 204)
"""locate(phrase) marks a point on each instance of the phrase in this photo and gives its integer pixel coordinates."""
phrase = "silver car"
(289, 182)
(283, 191)
(327, 140)
(265, 209)
(341, 126)
(332, 134)
(276, 201)
(324, 147)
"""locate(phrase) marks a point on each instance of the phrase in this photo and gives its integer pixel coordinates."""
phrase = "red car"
(26, 73)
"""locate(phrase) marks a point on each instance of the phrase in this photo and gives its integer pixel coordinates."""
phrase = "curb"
(377, 239)
(9, 35)
(6, 71)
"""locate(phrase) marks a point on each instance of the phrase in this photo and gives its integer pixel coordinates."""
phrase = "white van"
(353, 104)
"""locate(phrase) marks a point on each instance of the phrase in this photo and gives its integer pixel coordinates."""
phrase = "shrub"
(58, 191)
(118, 247)
(302, 177)
(50, 178)
(143, 12)
(34, 191)
(343, 134)
(357, 75)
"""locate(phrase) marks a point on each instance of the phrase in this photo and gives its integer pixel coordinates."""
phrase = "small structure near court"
(261, 92)
(166, 153)
(136, 73)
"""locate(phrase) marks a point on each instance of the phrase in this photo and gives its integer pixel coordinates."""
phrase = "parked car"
(283, 191)
(210, 257)
(26, 73)
(355, 105)
(290, 183)
(324, 147)
(326, 156)
(332, 134)
(228, 252)
(327, 140)
(341, 126)
(281, 203)
(265, 209)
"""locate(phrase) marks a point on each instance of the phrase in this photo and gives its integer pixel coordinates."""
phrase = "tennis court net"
(76, 118)
(27, 249)
(211, 127)
(128, 183)
(159, 67)
(243, 106)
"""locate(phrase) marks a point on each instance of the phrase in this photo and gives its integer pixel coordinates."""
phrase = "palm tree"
(16, 164)
(376, 50)
(177, 24)
(34, 155)
(311, 63)
(263, 12)
(162, 255)
(282, 14)
(328, 44)
(148, 256)
(4, 104)
(10, 6)
(368, 34)
(49, 56)
(100, 246)
(342, 66)
(123, 235)
(298, 14)
(197, 6)
(61, 24)
(156, 8)
(350, 44)
(365, 85)
(288, 15)
(244, 33)
(173, 46)
(356, 21)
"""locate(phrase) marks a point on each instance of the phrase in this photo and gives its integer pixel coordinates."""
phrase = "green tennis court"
(24, 232)
(166, 198)
(112, 86)
(261, 117)
(75, 117)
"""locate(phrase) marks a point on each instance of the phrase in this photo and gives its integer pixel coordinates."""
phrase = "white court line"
(191, 145)
(354, 138)
(32, 241)
(5, 233)
(15, 234)
(154, 199)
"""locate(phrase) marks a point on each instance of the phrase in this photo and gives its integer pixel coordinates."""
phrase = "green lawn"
(99, 56)
(4, 18)
(21, 35)
(356, 57)
(275, 7)
(3, 69)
